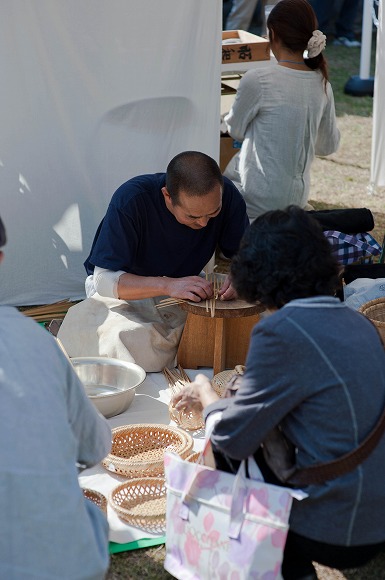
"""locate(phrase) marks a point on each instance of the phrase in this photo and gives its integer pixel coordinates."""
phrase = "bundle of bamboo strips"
(47, 312)
(210, 303)
(216, 281)
(177, 379)
(169, 302)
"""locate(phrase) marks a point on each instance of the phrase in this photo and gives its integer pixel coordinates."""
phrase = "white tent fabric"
(378, 135)
(93, 93)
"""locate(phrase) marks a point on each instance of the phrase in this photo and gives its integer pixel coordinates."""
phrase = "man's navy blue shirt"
(141, 236)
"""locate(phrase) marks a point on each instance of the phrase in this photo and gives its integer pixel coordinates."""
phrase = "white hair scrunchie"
(316, 44)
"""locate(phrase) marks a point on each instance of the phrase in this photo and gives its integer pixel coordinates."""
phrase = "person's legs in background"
(324, 12)
(348, 12)
(345, 24)
(226, 7)
(258, 21)
(240, 15)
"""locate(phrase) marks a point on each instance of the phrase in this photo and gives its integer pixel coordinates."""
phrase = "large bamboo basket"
(138, 450)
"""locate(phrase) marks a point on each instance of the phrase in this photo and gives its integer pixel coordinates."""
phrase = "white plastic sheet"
(378, 139)
(93, 92)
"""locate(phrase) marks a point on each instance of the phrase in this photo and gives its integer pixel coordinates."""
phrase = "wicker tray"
(138, 450)
(220, 381)
(96, 497)
(375, 311)
(141, 503)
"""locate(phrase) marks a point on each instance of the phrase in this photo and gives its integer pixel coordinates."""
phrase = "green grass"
(344, 63)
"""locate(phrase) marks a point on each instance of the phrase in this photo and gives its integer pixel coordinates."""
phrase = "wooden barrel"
(221, 341)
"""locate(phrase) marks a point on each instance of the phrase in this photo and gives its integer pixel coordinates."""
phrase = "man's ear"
(1, 256)
(166, 195)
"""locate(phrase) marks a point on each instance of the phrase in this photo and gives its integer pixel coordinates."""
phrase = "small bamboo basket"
(191, 420)
(97, 498)
(138, 450)
(220, 381)
(375, 311)
(141, 502)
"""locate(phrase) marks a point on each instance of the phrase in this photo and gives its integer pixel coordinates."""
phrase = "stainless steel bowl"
(109, 383)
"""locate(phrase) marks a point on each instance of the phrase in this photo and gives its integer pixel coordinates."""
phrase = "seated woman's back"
(284, 115)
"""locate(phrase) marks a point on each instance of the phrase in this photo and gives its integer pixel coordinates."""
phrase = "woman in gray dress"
(283, 114)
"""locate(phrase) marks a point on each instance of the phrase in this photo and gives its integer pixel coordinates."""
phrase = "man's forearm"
(133, 287)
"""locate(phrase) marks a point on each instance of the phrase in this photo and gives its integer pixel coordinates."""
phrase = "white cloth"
(133, 331)
(104, 282)
(284, 118)
(86, 105)
(363, 290)
(47, 425)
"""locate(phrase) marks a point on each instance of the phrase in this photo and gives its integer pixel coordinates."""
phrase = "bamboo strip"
(48, 311)
(176, 378)
(172, 302)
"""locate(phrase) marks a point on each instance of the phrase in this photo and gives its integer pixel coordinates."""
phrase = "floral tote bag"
(220, 525)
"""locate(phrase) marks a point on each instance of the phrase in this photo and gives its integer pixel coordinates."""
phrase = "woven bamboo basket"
(141, 502)
(191, 421)
(96, 497)
(375, 311)
(138, 450)
(220, 381)
(177, 379)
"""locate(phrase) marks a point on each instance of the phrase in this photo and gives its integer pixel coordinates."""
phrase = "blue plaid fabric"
(350, 249)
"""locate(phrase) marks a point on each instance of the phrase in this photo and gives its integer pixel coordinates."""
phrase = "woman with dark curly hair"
(316, 369)
(284, 257)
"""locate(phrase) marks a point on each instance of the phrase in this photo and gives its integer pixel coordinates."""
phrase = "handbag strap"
(325, 471)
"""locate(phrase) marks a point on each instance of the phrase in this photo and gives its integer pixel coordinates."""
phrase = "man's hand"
(192, 288)
(227, 292)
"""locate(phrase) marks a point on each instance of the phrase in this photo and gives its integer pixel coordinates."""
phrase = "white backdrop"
(378, 139)
(93, 92)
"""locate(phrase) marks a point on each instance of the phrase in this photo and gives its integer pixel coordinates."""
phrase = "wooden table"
(220, 342)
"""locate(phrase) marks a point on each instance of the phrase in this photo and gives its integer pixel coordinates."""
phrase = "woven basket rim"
(370, 308)
(374, 302)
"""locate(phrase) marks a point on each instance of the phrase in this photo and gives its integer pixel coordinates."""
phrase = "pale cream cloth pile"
(131, 331)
